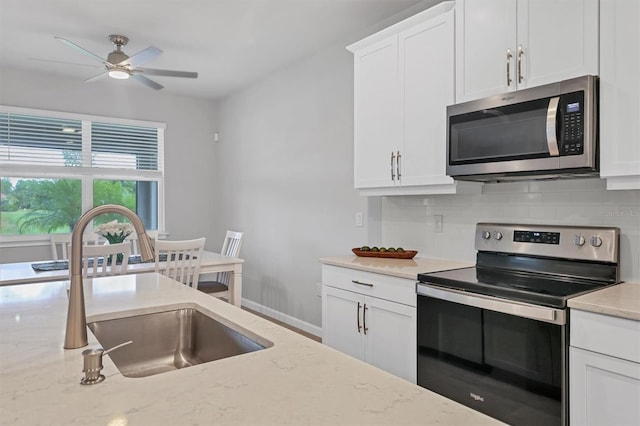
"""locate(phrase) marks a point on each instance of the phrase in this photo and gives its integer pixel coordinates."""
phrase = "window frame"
(86, 174)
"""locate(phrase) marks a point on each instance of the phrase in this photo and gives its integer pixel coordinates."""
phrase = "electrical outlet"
(359, 220)
(437, 223)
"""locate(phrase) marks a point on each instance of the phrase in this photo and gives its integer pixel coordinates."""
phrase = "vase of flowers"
(115, 232)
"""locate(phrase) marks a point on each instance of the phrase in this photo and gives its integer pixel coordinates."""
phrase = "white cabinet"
(376, 113)
(371, 317)
(403, 82)
(620, 93)
(604, 370)
(504, 45)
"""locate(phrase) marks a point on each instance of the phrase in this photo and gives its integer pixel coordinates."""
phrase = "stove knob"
(498, 235)
(578, 240)
(485, 235)
(596, 241)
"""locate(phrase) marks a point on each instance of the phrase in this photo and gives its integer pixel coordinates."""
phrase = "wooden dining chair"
(180, 260)
(219, 287)
(101, 260)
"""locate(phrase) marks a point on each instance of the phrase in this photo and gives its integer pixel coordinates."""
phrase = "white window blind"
(28, 139)
(124, 146)
(51, 141)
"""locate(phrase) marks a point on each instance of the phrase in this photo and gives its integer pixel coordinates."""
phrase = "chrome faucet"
(76, 332)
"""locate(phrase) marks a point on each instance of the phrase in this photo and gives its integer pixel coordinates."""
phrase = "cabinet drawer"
(394, 289)
(618, 337)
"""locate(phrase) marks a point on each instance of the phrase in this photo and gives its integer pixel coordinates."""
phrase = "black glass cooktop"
(536, 288)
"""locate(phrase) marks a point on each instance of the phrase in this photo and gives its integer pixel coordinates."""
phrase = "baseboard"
(287, 319)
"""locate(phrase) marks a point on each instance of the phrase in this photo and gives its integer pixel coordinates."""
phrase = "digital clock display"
(573, 107)
(536, 237)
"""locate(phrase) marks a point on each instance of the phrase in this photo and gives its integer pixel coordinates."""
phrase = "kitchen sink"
(171, 340)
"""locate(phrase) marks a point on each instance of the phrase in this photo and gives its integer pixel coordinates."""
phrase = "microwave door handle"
(552, 139)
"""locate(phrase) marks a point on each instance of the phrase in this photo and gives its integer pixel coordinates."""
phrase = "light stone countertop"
(620, 300)
(403, 268)
(296, 381)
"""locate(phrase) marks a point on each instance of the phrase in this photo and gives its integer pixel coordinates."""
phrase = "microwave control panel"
(572, 126)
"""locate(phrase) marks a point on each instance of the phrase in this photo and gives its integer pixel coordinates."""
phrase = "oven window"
(507, 367)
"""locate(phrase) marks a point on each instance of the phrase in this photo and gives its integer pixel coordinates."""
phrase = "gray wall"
(189, 150)
(285, 178)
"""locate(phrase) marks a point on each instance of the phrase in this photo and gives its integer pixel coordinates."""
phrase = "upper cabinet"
(505, 45)
(620, 93)
(403, 82)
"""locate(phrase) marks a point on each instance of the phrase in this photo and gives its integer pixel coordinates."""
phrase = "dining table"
(31, 272)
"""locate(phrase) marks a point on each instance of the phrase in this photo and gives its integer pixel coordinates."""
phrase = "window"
(54, 166)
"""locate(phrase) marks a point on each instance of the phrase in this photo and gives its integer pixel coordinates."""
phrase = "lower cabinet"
(376, 330)
(604, 370)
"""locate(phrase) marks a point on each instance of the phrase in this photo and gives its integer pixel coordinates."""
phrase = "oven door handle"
(540, 313)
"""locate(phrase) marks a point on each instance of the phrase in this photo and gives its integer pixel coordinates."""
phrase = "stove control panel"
(570, 242)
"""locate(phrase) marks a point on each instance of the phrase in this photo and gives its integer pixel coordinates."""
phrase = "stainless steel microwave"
(548, 131)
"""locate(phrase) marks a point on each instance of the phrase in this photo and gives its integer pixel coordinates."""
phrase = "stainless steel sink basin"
(170, 340)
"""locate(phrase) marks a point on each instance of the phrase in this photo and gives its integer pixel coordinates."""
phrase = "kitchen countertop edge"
(403, 268)
(620, 300)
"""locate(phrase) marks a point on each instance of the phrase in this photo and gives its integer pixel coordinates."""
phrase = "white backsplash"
(412, 221)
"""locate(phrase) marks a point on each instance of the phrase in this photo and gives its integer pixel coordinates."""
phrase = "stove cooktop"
(534, 288)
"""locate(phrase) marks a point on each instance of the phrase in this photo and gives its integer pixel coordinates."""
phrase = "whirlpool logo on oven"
(476, 397)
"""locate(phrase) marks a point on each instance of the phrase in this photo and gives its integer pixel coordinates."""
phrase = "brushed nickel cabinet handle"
(509, 56)
(398, 165)
(364, 318)
(358, 318)
(361, 283)
(393, 157)
(520, 53)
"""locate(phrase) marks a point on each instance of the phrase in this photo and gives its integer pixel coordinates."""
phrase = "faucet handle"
(93, 364)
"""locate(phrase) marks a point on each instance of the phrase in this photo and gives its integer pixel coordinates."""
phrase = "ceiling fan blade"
(81, 50)
(141, 57)
(147, 82)
(168, 73)
(97, 77)
(75, 64)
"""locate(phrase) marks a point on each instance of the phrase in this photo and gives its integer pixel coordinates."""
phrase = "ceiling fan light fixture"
(118, 74)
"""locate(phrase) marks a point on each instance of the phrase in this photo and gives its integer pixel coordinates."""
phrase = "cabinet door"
(603, 390)
(341, 314)
(391, 337)
(485, 30)
(620, 93)
(376, 133)
(426, 88)
(557, 40)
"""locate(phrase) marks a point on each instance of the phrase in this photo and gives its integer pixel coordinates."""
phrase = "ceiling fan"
(119, 65)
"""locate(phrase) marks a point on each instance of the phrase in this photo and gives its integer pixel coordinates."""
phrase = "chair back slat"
(101, 260)
(182, 261)
(231, 248)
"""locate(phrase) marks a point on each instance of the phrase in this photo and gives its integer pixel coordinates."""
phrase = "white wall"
(285, 176)
(409, 221)
(189, 149)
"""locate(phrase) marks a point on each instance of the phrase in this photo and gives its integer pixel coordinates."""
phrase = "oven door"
(477, 351)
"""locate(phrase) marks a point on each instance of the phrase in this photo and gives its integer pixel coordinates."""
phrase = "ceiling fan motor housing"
(116, 57)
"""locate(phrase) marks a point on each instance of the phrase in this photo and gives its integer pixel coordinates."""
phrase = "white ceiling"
(230, 43)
